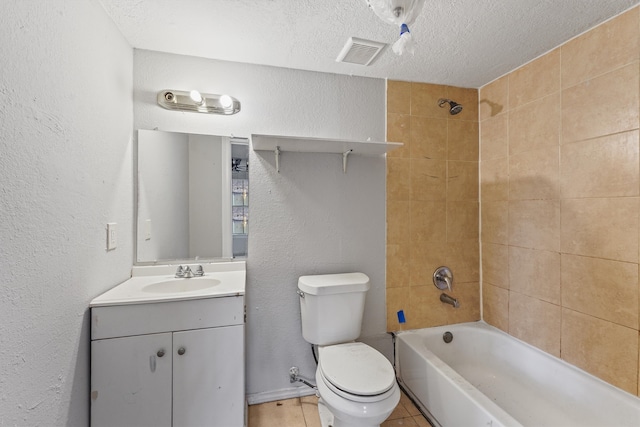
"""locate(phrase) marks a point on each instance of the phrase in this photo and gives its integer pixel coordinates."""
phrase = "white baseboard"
(285, 393)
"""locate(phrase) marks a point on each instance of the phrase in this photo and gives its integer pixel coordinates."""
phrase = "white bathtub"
(485, 377)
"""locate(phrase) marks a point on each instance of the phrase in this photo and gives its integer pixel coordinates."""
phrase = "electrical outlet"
(112, 236)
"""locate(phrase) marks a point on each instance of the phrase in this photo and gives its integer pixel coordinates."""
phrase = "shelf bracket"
(345, 155)
(277, 153)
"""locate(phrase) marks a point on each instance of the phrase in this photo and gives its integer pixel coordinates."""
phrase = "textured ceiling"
(465, 43)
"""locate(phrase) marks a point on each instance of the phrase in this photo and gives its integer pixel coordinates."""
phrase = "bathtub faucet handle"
(443, 278)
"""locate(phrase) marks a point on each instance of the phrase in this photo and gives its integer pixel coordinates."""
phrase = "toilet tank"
(331, 307)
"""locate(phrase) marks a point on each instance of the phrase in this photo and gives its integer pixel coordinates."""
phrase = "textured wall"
(432, 204)
(310, 218)
(65, 169)
(560, 201)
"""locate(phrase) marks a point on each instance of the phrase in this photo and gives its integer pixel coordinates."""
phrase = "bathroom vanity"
(169, 351)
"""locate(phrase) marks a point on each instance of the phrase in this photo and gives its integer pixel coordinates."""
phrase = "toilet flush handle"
(299, 292)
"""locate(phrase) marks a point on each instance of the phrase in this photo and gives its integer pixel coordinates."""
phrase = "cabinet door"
(131, 381)
(208, 377)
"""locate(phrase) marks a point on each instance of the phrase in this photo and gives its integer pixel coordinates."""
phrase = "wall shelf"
(278, 144)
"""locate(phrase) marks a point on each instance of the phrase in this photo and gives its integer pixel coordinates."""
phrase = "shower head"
(454, 107)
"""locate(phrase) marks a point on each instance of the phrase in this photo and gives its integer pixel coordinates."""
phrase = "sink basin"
(156, 283)
(181, 285)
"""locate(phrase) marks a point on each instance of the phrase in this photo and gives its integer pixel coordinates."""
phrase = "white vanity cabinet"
(178, 363)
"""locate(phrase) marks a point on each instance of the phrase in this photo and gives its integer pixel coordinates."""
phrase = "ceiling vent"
(360, 51)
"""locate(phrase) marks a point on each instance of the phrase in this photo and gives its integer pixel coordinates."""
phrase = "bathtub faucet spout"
(449, 300)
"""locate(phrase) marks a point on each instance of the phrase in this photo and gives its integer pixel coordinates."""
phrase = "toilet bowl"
(356, 383)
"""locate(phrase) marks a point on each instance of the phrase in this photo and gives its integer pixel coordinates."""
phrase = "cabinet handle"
(160, 353)
(181, 351)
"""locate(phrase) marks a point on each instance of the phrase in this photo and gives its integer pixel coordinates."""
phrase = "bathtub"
(484, 377)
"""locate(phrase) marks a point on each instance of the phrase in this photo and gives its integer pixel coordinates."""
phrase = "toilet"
(356, 383)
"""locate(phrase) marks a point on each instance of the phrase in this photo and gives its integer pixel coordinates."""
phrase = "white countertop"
(231, 275)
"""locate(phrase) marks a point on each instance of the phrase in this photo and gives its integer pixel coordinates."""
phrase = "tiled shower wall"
(432, 204)
(560, 201)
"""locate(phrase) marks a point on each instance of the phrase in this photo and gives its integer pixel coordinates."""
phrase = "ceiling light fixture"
(197, 102)
(401, 13)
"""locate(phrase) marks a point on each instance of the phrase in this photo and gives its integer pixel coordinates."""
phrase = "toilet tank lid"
(327, 284)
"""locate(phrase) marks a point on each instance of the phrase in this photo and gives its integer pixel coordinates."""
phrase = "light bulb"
(226, 101)
(196, 97)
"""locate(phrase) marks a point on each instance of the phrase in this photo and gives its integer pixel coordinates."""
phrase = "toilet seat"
(356, 371)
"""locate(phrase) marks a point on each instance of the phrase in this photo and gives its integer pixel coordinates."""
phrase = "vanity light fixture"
(198, 102)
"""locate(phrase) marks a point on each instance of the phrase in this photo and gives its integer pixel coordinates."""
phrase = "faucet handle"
(180, 271)
(199, 271)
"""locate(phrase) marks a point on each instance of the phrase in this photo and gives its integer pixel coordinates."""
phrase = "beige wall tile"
(494, 98)
(601, 106)
(398, 97)
(535, 80)
(428, 221)
(468, 98)
(398, 179)
(535, 125)
(462, 180)
(495, 264)
(428, 138)
(604, 48)
(534, 174)
(468, 296)
(439, 313)
(602, 167)
(606, 350)
(398, 222)
(424, 100)
(426, 256)
(495, 306)
(604, 228)
(397, 299)
(398, 259)
(428, 179)
(494, 137)
(464, 260)
(601, 288)
(462, 221)
(425, 308)
(399, 130)
(535, 224)
(535, 321)
(495, 222)
(535, 273)
(463, 140)
(495, 179)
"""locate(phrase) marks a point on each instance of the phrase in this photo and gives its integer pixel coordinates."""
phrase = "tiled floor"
(303, 412)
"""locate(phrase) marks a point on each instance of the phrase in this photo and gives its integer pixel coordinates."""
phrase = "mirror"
(192, 197)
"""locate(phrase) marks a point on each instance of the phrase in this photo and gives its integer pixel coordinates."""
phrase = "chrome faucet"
(179, 272)
(449, 300)
(186, 272)
(199, 272)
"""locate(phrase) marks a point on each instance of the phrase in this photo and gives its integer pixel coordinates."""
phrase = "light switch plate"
(112, 236)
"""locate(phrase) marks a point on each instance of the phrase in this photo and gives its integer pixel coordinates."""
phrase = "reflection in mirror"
(185, 197)
(240, 197)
